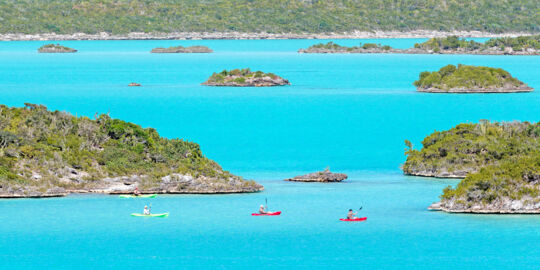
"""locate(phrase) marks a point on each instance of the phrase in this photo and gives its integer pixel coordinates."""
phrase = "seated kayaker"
(136, 192)
(351, 214)
(146, 210)
(262, 210)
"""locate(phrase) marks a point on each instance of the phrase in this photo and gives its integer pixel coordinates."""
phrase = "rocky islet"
(55, 48)
(182, 49)
(322, 176)
(245, 78)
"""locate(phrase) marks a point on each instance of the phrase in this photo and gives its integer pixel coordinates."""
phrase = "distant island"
(469, 79)
(245, 77)
(55, 48)
(499, 161)
(322, 176)
(523, 45)
(51, 153)
(181, 49)
(332, 47)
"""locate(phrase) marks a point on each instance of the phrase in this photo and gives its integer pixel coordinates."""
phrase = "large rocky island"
(469, 79)
(499, 161)
(182, 49)
(55, 48)
(245, 77)
(51, 153)
(322, 176)
(522, 45)
(511, 187)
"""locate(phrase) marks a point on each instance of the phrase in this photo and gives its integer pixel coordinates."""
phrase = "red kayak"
(354, 219)
(268, 214)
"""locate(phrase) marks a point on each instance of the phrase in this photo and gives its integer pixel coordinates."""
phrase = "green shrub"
(240, 80)
(46, 142)
(470, 77)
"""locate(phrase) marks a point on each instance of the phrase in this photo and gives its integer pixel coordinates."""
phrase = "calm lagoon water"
(349, 112)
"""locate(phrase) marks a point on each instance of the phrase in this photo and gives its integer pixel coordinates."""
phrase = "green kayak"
(140, 196)
(151, 215)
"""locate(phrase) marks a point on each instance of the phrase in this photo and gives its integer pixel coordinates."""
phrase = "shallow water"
(349, 112)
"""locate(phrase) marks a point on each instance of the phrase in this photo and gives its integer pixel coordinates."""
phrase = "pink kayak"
(268, 214)
(354, 219)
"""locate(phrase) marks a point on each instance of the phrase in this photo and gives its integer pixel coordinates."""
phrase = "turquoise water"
(349, 112)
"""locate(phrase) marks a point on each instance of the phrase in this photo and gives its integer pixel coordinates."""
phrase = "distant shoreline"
(240, 35)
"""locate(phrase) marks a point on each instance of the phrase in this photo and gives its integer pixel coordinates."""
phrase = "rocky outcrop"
(506, 88)
(255, 82)
(181, 49)
(185, 184)
(55, 48)
(439, 172)
(505, 205)
(31, 192)
(170, 184)
(323, 176)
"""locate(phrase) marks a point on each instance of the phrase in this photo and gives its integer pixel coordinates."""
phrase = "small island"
(245, 77)
(332, 47)
(469, 79)
(182, 49)
(101, 155)
(55, 48)
(322, 176)
(522, 45)
(499, 161)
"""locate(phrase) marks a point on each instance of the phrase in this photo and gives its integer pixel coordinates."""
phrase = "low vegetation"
(45, 148)
(469, 147)
(182, 49)
(500, 162)
(469, 78)
(516, 179)
(245, 77)
(55, 48)
(454, 43)
(277, 16)
(333, 47)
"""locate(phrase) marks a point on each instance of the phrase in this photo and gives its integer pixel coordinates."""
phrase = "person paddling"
(146, 210)
(136, 192)
(351, 214)
(262, 210)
